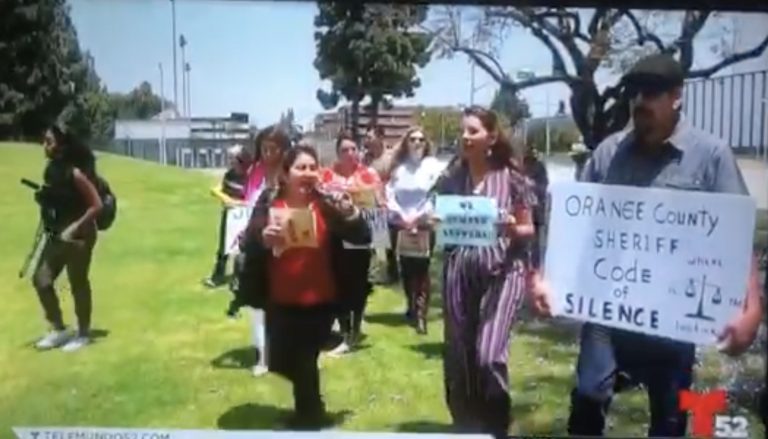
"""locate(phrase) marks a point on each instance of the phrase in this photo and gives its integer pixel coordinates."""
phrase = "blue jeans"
(663, 366)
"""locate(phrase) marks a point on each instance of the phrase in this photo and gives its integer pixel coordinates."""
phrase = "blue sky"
(256, 57)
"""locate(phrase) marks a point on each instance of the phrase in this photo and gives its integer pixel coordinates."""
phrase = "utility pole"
(472, 84)
(187, 70)
(546, 120)
(182, 45)
(175, 86)
(163, 153)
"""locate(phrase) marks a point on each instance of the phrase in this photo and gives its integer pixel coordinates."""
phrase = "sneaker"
(259, 370)
(53, 340)
(213, 282)
(341, 349)
(76, 343)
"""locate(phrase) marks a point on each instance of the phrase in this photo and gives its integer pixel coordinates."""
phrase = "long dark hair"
(401, 150)
(289, 158)
(274, 133)
(502, 152)
(343, 135)
(72, 151)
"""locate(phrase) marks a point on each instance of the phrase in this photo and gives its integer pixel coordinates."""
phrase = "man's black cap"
(658, 71)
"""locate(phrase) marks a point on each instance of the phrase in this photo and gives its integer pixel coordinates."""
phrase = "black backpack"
(109, 204)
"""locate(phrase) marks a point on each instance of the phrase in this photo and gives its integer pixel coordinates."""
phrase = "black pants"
(393, 274)
(77, 259)
(416, 280)
(294, 337)
(220, 265)
(664, 366)
(355, 291)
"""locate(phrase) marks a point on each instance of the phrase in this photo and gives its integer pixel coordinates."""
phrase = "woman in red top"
(349, 175)
(300, 283)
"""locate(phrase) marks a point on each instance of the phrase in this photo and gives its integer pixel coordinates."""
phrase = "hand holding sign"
(466, 220)
(295, 226)
(413, 243)
(363, 197)
(272, 236)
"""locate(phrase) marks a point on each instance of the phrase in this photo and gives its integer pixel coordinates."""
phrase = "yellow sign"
(298, 226)
(364, 197)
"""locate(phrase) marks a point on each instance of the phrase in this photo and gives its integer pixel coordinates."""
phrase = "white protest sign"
(656, 261)
(377, 221)
(237, 221)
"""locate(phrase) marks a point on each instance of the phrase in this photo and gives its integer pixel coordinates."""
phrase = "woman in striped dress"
(483, 287)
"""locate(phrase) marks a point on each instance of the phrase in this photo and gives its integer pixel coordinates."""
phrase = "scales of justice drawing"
(703, 289)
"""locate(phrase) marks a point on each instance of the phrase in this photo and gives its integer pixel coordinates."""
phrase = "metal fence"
(186, 153)
(732, 107)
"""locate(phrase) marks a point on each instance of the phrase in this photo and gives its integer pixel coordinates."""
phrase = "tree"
(577, 53)
(90, 115)
(140, 103)
(288, 123)
(508, 105)
(43, 70)
(442, 126)
(369, 50)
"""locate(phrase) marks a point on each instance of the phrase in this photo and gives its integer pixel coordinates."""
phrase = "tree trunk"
(374, 113)
(355, 118)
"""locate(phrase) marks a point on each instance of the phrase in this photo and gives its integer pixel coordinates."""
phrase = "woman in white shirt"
(413, 174)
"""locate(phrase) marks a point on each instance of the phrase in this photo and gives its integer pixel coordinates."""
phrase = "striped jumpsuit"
(483, 288)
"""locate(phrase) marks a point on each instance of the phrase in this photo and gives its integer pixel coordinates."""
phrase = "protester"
(270, 147)
(659, 149)
(414, 172)
(536, 170)
(70, 204)
(348, 175)
(231, 193)
(300, 284)
(379, 158)
(484, 286)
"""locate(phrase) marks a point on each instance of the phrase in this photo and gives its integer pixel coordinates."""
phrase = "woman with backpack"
(70, 205)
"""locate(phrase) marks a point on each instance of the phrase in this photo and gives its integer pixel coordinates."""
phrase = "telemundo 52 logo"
(704, 408)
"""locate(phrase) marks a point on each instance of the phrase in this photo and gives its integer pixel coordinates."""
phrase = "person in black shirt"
(70, 204)
(230, 193)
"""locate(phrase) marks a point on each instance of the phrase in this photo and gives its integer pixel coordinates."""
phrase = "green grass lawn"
(166, 356)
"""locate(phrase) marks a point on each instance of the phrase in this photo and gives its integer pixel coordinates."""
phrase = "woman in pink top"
(271, 145)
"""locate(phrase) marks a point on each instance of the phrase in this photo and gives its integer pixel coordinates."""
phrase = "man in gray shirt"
(659, 149)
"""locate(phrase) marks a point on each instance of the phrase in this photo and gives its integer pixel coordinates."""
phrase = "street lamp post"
(175, 86)
(182, 45)
(187, 70)
(524, 75)
(163, 152)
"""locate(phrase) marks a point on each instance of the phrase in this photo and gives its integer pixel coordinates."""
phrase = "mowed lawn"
(166, 355)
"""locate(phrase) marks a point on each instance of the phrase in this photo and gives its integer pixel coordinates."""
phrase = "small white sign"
(237, 221)
(656, 261)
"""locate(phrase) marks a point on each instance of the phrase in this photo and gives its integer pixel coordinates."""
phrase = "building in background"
(198, 142)
(395, 121)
